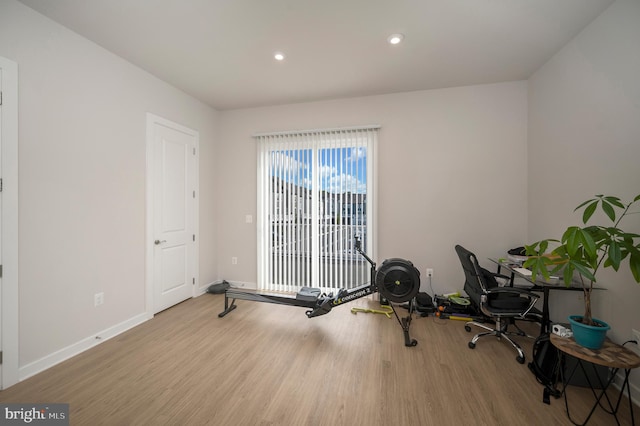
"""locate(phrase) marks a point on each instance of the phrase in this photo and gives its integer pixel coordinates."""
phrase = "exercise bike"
(397, 280)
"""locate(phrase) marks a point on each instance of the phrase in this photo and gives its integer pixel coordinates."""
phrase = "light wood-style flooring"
(266, 364)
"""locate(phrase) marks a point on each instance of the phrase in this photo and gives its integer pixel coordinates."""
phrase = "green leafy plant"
(582, 251)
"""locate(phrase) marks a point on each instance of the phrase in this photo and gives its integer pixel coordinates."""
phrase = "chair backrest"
(474, 285)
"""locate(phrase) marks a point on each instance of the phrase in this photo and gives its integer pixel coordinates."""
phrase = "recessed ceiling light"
(395, 38)
(279, 56)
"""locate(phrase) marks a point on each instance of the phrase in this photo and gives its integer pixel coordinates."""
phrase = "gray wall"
(584, 139)
(451, 170)
(82, 136)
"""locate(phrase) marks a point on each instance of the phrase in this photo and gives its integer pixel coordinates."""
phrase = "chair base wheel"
(520, 359)
(467, 328)
(472, 345)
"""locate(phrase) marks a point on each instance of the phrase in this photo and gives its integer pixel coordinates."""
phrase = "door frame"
(153, 120)
(9, 222)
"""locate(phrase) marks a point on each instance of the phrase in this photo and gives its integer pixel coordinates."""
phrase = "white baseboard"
(79, 347)
(201, 290)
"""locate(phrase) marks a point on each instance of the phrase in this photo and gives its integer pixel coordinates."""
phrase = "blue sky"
(340, 169)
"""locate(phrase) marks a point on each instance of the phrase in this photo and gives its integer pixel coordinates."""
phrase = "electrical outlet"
(234, 260)
(430, 272)
(98, 299)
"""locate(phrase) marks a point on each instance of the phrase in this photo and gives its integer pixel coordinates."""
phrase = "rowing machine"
(397, 280)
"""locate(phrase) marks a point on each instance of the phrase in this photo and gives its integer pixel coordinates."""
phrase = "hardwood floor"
(266, 364)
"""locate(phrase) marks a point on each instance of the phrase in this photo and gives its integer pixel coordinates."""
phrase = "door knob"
(156, 242)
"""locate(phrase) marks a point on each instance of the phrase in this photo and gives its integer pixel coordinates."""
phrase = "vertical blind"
(315, 196)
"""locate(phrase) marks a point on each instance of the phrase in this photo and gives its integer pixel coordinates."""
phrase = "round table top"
(610, 355)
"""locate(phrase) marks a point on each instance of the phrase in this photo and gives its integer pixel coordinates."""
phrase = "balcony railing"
(338, 263)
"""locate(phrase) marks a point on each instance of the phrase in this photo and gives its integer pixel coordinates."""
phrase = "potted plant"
(582, 252)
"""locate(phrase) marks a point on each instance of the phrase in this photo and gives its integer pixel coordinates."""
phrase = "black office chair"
(502, 305)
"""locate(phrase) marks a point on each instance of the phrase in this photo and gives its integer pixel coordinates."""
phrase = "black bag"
(518, 251)
(546, 366)
(424, 300)
(424, 304)
(219, 288)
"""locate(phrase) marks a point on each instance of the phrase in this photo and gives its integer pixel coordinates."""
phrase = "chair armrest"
(513, 290)
(532, 298)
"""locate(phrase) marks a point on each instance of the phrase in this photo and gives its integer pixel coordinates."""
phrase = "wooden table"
(612, 356)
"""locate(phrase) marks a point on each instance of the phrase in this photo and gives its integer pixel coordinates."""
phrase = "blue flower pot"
(589, 336)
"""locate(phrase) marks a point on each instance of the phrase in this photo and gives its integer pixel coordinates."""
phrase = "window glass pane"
(313, 196)
(290, 219)
(343, 191)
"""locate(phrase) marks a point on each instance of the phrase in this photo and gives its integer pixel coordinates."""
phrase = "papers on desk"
(527, 273)
(523, 271)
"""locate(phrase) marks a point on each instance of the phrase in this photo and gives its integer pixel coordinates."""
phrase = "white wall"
(451, 170)
(584, 139)
(82, 123)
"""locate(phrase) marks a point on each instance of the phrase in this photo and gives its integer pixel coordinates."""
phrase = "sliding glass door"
(315, 197)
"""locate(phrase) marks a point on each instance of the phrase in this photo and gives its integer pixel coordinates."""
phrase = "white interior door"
(173, 212)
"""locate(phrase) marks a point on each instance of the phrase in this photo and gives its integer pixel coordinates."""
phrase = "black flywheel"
(398, 280)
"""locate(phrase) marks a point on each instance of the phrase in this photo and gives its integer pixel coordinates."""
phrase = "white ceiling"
(221, 51)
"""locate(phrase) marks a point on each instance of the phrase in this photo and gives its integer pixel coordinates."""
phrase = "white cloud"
(345, 183)
(327, 171)
(284, 164)
(357, 153)
(294, 169)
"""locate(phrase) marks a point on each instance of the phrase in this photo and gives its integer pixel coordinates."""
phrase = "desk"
(539, 286)
(612, 356)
